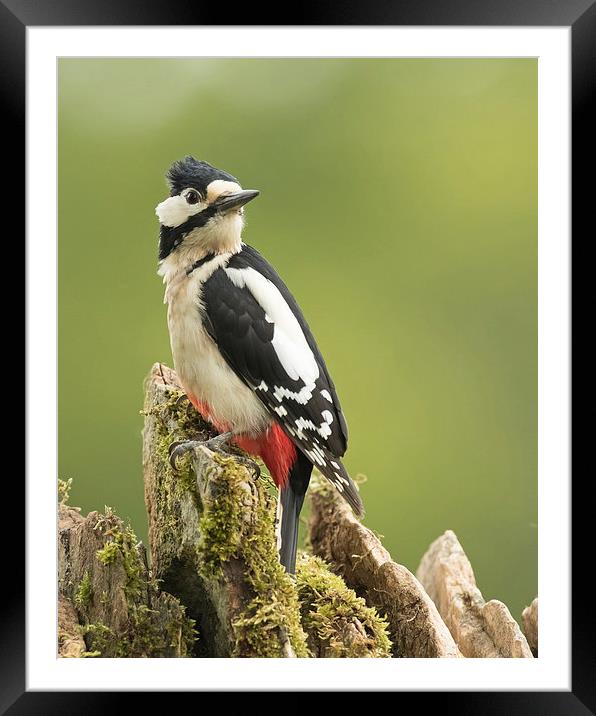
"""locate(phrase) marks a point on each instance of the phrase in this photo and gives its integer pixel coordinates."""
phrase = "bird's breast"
(201, 368)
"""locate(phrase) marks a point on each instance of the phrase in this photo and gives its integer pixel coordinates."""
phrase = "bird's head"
(204, 212)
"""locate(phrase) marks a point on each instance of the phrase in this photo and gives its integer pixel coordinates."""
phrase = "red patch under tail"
(274, 447)
(276, 450)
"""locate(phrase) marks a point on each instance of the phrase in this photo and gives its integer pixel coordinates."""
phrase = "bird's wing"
(262, 334)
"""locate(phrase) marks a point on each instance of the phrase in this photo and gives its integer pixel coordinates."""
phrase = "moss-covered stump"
(212, 537)
(337, 622)
(355, 552)
(107, 596)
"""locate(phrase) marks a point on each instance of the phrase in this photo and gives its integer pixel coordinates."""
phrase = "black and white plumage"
(242, 348)
(264, 337)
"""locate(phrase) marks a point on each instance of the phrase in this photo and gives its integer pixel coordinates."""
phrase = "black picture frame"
(580, 15)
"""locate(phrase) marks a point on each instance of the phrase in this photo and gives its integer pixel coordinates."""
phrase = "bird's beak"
(235, 201)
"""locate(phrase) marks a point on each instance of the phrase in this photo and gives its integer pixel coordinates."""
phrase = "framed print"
(411, 173)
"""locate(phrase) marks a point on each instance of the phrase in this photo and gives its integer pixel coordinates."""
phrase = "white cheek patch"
(175, 210)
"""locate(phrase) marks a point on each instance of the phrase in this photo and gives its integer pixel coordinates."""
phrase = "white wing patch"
(289, 343)
(302, 397)
(323, 430)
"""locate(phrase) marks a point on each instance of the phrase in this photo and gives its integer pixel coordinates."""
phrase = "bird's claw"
(179, 447)
(180, 400)
(249, 464)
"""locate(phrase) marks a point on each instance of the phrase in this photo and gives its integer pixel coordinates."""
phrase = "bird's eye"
(192, 197)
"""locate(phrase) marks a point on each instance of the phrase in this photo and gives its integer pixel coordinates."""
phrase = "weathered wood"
(70, 638)
(481, 629)
(211, 527)
(107, 596)
(354, 552)
(213, 549)
(530, 625)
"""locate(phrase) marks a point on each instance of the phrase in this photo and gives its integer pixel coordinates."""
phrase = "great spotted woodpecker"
(242, 349)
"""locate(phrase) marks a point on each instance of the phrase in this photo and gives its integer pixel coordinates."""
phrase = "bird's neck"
(218, 237)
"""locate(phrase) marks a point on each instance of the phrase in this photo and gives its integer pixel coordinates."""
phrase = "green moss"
(225, 534)
(102, 641)
(64, 487)
(108, 553)
(220, 525)
(122, 547)
(339, 623)
(99, 635)
(145, 634)
(84, 592)
(178, 407)
(176, 420)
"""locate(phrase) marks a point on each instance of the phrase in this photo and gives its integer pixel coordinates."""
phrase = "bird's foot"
(180, 447)
(181, 400)
(217, 444)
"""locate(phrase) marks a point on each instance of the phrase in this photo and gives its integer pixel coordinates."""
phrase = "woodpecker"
(243, 351)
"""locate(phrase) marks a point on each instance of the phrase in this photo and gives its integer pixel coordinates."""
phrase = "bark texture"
(70, 638)
(481, 629)
(353, 551)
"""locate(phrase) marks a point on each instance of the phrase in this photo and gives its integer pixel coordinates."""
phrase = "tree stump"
(354, 552)
(215, 566)
(481, 629)
(211, 528)
(109, 605)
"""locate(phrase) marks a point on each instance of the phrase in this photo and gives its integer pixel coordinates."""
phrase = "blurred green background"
(398, 201)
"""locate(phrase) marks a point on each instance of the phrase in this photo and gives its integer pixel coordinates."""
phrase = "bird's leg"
(217, 444)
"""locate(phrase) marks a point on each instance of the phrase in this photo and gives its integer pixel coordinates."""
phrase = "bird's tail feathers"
(333, 469)
(291, 499)
(289, 506)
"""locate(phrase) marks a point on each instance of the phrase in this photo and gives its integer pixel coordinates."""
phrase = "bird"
(242, 348)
